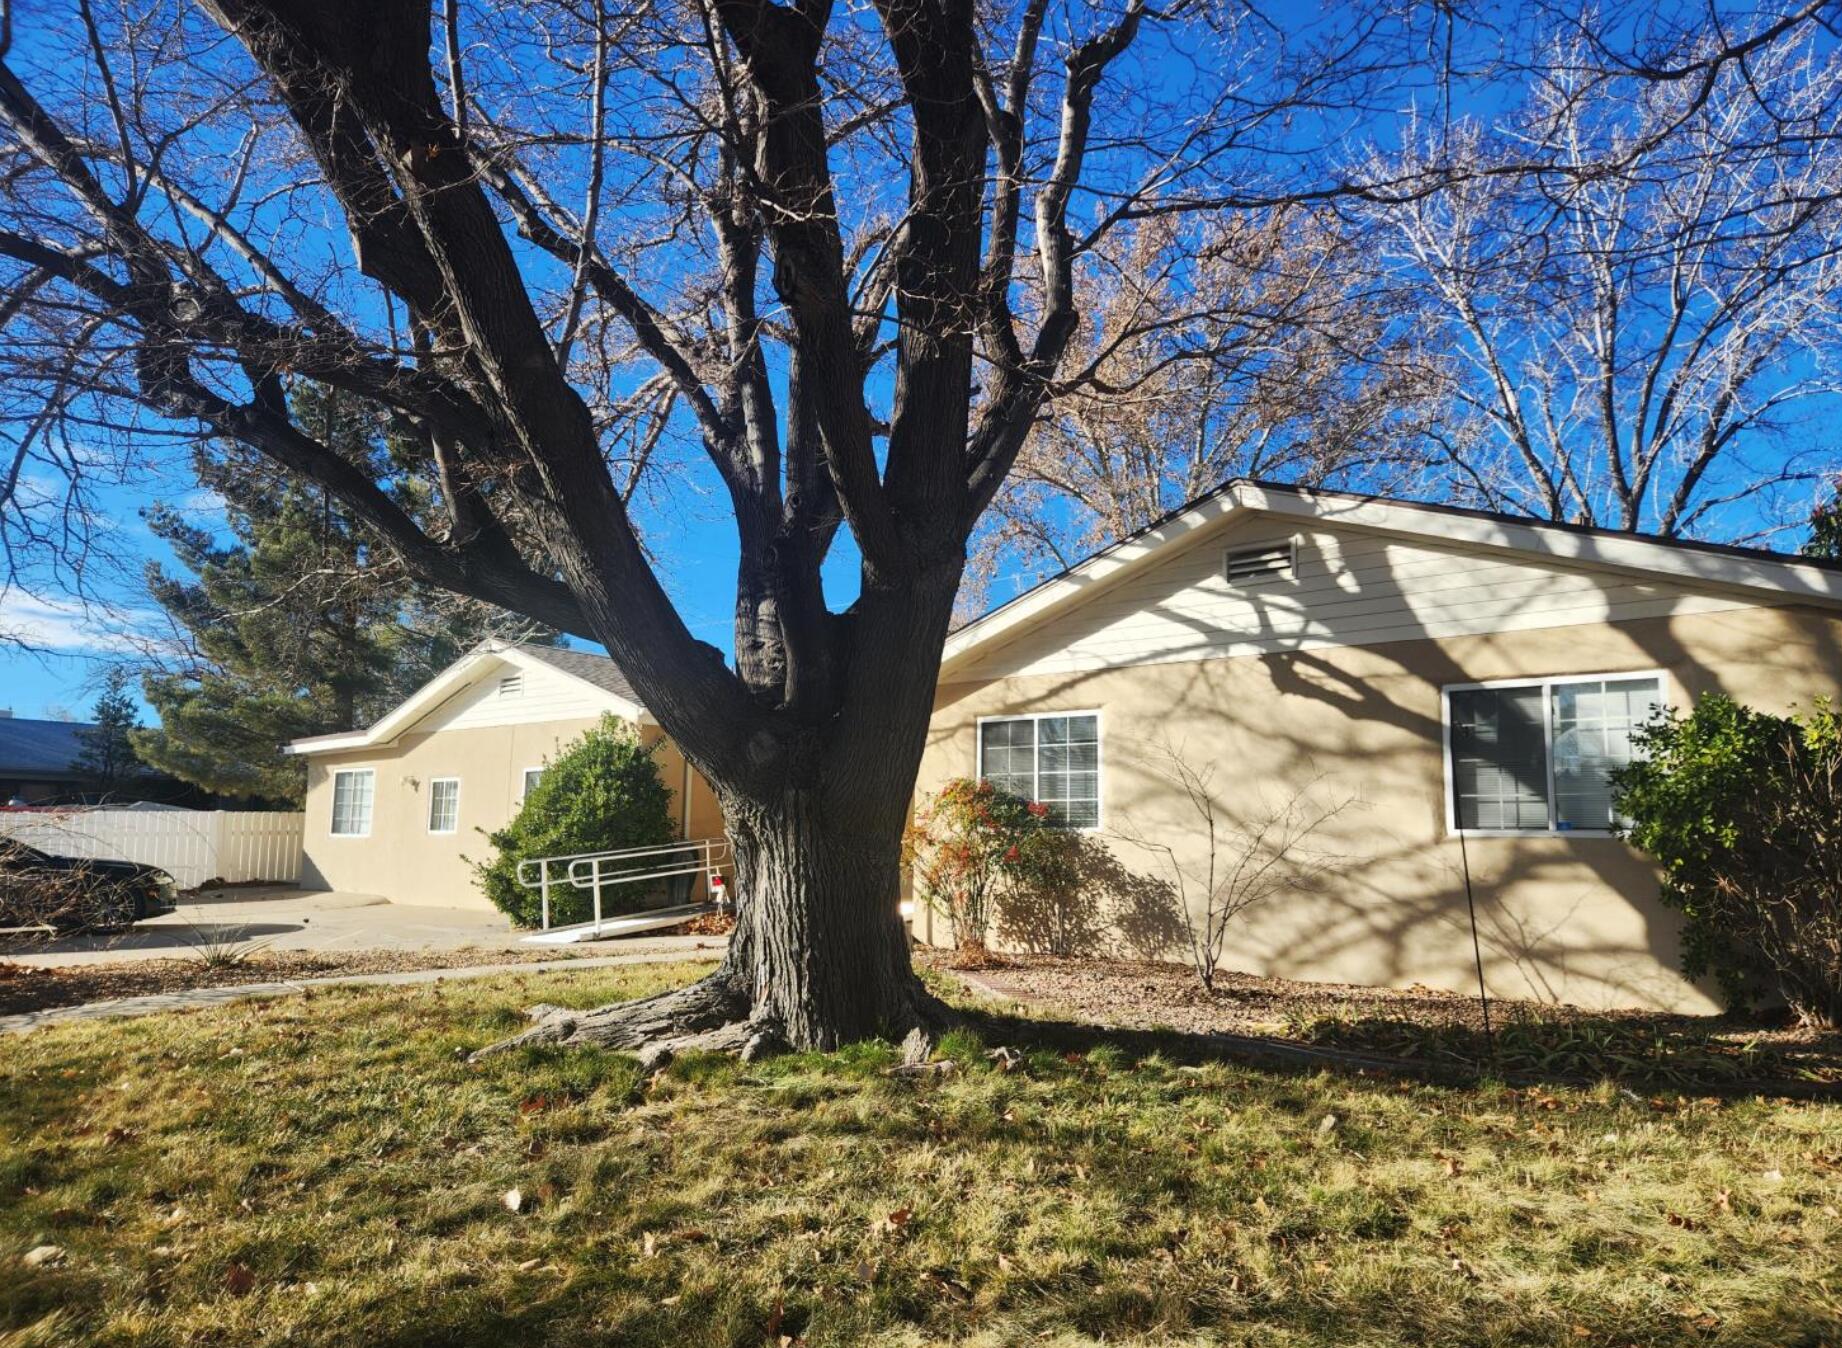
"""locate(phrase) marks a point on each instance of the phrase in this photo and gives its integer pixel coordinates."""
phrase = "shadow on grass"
(1523, 1052)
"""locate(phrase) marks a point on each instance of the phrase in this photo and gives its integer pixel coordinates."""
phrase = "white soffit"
(1765, 578)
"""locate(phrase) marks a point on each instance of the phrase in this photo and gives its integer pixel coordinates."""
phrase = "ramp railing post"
(543, 886)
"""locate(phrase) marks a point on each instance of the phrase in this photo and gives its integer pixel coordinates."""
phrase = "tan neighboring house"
(1466, 680)
(398, 809)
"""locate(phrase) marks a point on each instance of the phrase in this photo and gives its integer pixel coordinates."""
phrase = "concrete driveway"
(285, 918)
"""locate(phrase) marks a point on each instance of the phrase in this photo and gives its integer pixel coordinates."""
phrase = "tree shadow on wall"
(1099, 906)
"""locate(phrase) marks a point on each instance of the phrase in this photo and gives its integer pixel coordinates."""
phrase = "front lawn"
(327, 1170)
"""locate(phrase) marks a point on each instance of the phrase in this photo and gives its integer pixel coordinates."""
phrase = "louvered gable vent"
(511, 685)
(1269, 561)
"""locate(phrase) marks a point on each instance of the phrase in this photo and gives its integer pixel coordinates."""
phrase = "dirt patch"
(1406, 1022)
(32, 988)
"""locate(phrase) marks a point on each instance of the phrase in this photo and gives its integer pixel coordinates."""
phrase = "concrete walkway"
(280, 917)
(659, 952)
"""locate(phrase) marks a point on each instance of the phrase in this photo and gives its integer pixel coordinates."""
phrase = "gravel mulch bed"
(31, 988)
(1170, 997)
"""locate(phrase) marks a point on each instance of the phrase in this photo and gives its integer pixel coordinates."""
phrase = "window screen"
(1499, 758)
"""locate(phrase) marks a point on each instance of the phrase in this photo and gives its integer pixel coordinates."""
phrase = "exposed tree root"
(712, 1015)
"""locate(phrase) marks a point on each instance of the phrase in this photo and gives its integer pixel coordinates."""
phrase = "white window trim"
(522, 792)
(430, 820)
(333, 802)
(978, 754)
(1546, 683)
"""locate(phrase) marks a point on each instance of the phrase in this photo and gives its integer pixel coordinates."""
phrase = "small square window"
(1051, 759)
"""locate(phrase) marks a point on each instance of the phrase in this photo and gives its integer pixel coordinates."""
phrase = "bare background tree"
(1647, 346)
(1256, 346)
(1612, 300)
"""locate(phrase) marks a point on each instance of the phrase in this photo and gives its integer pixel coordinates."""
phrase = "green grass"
(327, 1170)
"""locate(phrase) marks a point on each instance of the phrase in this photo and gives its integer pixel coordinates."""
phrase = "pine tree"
(299, 625)
(107, 756)
(1826, 527)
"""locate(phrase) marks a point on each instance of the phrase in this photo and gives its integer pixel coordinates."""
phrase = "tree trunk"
(819, 943)
(819, 956)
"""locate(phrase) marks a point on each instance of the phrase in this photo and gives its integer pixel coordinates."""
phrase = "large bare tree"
(836, 249)
(1260, 345)
(1654, 340)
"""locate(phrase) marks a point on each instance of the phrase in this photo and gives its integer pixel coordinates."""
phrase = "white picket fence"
(192, 846)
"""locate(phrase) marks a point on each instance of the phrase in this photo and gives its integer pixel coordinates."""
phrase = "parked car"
(69, 894)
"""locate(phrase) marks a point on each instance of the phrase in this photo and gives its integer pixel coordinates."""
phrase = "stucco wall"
(401, 860)
(1563, 918)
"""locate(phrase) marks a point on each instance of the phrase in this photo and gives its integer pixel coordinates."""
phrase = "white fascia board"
(1113, 564)
(464, 672)
(1770, 580)
(1779, 580)
(407, 712)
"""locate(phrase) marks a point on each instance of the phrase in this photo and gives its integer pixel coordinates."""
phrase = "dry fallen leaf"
(670, 1301)
(43, 1256)
(239, 1280)
(513, 1200)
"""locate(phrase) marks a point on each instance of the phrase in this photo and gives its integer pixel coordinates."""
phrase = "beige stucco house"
(1463, 682)
(399, 809)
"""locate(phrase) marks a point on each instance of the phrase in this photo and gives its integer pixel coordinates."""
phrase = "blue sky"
(686, 521)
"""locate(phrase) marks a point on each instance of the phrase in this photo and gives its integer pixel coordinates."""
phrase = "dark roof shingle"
(40, 748)
(585, 665)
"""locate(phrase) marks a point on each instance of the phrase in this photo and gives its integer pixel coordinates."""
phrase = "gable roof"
(40, 749)
(597, 672)
(1771, 576)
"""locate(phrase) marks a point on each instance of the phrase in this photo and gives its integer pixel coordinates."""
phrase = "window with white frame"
(444, 805)
(1054, 759)
(353, 789)
(531, 778)
(1537, 755)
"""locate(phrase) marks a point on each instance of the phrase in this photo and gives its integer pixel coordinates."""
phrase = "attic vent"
(1269, 561)
(511, 685)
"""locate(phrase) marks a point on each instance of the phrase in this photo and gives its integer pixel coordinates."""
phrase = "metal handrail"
(589, 870)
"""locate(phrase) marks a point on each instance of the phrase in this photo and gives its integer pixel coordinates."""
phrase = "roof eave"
(1787, 581)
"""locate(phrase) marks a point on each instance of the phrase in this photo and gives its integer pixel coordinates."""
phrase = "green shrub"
(1743, 810)
(602, 793)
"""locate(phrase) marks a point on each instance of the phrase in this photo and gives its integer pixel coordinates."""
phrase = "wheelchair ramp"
(632, 924)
